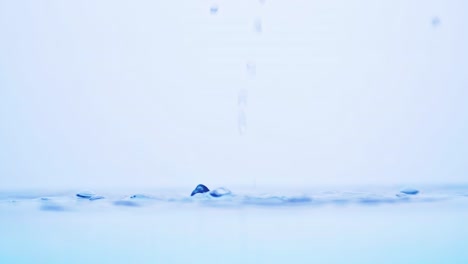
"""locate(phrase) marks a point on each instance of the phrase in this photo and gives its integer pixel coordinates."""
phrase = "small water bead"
(258, 25)
(214, 9)
(242, 122)
(251, 68)
(242, 98)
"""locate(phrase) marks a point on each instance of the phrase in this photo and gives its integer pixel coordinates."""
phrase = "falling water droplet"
(251, 68)
(258, 25)
(214, 9)
(435, 21)
(242, 122)
(242, 98)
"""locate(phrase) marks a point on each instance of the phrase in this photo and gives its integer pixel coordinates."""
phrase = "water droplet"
(242, 122)
(251, 68)
(242, 98)
(258, 25)
(435, 21)
(214, 9)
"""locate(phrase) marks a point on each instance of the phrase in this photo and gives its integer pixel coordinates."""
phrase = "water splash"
(242, 122)
(223, 197)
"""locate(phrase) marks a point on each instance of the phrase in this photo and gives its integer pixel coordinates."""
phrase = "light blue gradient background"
(144, 93)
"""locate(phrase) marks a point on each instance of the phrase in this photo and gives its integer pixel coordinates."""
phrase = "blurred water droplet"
(242, 122)
(258, 25)
(214, 9)
(435, 21)
(242, 98)
(251, 68)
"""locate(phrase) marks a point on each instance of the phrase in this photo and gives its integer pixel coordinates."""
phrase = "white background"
(145, 93)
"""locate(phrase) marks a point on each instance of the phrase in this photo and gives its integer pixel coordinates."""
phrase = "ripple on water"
(126, 203)
(52, 207)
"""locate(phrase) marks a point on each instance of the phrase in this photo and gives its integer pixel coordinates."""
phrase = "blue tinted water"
(354, 226)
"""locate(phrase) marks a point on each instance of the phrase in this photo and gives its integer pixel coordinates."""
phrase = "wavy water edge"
(223, 197)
